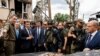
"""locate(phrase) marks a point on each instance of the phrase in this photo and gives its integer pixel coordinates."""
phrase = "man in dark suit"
(18, 37)
(26, 37)
(93, 38)
(39, 37)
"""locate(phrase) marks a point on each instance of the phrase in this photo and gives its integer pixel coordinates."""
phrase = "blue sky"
(87, 7)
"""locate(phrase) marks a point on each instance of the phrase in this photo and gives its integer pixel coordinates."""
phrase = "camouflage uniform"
(51, 39)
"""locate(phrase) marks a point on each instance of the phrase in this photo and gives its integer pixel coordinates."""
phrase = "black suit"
(26, 44)
(39, 39)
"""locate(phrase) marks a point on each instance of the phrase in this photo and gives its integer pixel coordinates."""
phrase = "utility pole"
(70, 10)
(74, 10)
(77, 4)
(49, 9)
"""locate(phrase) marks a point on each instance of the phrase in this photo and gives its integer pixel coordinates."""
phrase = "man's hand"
(29, 38)
(64, 47)
(44, 44)
(73, 36)
(59, 50)
(86, 49)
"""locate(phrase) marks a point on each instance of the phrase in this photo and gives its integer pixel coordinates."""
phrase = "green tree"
(61, 17)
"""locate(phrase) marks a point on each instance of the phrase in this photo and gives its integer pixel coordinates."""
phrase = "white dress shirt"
(38, 30)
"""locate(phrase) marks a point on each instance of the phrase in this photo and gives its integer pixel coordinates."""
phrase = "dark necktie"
(37, 32)
(89, 39)
(30, 32)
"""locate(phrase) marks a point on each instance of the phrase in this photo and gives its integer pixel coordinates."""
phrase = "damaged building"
(22, 8)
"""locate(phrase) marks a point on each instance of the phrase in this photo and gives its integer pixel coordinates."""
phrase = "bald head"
(92, 26)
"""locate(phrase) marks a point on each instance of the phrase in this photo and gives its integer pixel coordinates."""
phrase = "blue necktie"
(17, 33)
(44, 32)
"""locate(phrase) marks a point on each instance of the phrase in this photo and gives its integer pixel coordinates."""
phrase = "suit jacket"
(94, 43)
(40, 40)
(25, 43)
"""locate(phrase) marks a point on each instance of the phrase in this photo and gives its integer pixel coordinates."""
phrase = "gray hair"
(94, 22)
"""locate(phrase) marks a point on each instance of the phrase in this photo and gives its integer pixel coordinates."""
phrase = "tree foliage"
(61, 17)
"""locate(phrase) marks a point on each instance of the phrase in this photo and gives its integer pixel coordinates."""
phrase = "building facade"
(22, 8)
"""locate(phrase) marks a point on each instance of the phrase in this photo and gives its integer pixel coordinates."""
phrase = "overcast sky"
(87, 7)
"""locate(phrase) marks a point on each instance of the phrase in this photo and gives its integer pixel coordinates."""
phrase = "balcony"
(26, 1)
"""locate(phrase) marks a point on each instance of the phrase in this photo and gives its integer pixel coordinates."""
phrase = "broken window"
(4, 3)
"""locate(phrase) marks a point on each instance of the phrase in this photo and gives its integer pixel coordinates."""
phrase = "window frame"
(6, 4)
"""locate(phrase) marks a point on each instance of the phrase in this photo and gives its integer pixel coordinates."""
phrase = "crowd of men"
(25, 36)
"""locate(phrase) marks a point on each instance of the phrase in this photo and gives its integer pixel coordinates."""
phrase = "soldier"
(9, 42)
(52, 38)
(77, 34)
(63, 36)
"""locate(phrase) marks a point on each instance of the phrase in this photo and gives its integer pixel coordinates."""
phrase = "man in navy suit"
(39, 37)
(93, 38)
(26, 37)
